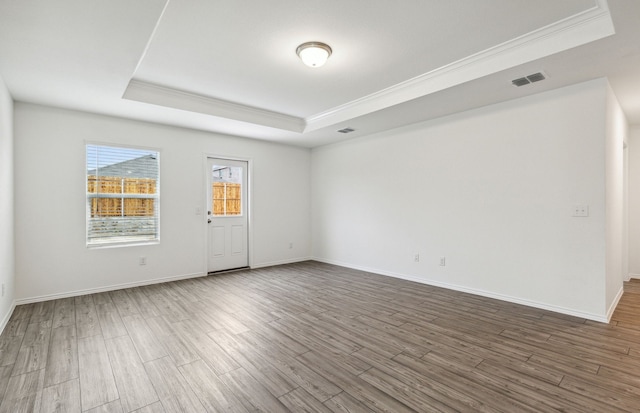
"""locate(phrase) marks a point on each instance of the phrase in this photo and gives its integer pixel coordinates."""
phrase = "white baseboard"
(602, 318)
(281, 262)
(614, 304)
(48, 297)
(634, 276)
(75, 293)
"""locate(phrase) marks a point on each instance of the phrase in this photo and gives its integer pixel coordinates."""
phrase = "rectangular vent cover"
(536, 77)
(520, 82)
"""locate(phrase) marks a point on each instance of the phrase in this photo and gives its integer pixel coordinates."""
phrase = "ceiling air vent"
(520, 82)
(536, 77)
(346, 130)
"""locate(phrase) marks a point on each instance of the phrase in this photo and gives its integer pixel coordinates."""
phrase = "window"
(122, 195)
(227, 190)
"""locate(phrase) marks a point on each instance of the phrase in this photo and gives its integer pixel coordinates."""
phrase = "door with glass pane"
(227, 214)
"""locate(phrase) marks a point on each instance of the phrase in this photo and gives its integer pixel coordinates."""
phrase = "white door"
(227, 214)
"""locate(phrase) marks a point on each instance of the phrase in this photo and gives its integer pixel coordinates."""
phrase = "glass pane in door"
(226, 191)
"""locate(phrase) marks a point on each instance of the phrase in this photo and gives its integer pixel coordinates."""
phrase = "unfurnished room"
(319, 206)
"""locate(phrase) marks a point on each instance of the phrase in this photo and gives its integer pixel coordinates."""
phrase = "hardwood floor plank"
(111, 407)
(62, 397)
(425, 383)
(545, 393)
(177, 347)
(125, 305)
(24, 393)
(134, 386)
(86, 299)
(62, 360)
(408, 395)
(147, 344)
(34, 348)
(592, 390)
(145, 305)
(64, 312)
(42, 311)
(110, 320)
(208, 350)
(87, 322)
(5, 374)
(172, 388)
(252, 394)
(299, 400)
(298, 373)
(284, 343)
(254, 363)
(345, 403)
(22, 312)
(375, 399)
(168, 308)
(97, 385)
(459, 378)
(156, 407)
(351, 364)
(11, 340)
(102, 298)
(211, 391)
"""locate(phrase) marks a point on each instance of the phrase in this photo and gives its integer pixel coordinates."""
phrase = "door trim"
(204, 207)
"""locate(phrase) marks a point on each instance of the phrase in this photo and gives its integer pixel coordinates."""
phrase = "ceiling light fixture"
(314, 54)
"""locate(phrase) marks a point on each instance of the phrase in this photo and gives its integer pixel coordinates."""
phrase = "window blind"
(123, 195)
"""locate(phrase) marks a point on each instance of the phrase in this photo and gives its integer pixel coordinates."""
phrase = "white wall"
(616, 135)
(492, 190)
(7, 263)
(634, 201)
(51, 257)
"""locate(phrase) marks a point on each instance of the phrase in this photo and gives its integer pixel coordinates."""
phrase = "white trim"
(281, 262)
(483, 293)
(7, 317)
(114, 287)
(249, 204)
(633, 276)
(587, 26)
(614, 304)
(178, 99)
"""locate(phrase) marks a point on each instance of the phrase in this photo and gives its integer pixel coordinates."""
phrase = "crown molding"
(585, 27)
(590, 25)
(165, 96)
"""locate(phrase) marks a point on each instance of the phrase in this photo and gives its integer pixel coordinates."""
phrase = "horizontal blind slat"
(122, 195)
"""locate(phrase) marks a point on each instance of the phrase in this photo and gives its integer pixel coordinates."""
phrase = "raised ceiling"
(231, 67)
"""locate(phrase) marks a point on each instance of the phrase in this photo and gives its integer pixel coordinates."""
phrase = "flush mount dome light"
(314, 54)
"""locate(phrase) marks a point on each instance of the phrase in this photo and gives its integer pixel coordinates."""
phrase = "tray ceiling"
(231, 67)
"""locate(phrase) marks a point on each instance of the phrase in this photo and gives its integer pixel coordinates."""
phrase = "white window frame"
(124, 241)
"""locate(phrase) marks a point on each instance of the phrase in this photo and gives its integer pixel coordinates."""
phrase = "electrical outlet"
(143, 260)
(580, 211)
(443, 261)
(291, 245)
(416, 258)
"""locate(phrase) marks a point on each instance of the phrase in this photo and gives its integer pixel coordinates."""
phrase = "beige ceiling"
(230, 66)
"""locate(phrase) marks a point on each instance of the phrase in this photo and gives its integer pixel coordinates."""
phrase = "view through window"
(227, 190)
(122, 195)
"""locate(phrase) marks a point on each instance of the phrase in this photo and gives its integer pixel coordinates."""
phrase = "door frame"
(205, 187)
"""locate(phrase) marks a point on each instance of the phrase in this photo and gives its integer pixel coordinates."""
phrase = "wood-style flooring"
(312, 337)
